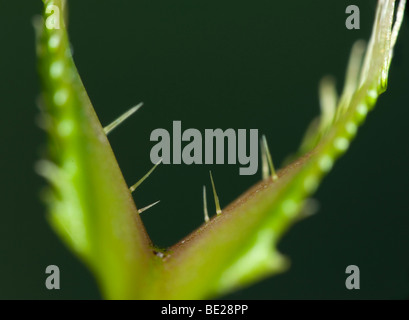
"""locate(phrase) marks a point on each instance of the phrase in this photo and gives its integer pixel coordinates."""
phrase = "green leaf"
(91, 207)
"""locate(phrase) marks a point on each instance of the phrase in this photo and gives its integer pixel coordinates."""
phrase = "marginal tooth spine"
(49, 170)
(398, 22)
(352, 75)
(328, 102)
(136, 185)
(206, 214)
(216, 198)
(148, 207)
(269, 159)
(121, 118)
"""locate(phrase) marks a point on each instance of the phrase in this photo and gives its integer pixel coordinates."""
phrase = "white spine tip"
(148, 207)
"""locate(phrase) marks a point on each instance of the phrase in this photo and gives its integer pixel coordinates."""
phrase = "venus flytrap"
(91, 206)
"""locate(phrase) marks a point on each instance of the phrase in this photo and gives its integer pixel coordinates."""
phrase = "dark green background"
(212, 64)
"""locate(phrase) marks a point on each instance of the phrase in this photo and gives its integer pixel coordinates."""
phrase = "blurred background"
(212, 64)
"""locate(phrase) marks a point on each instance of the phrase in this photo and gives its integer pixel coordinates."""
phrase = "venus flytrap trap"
(91, 208)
